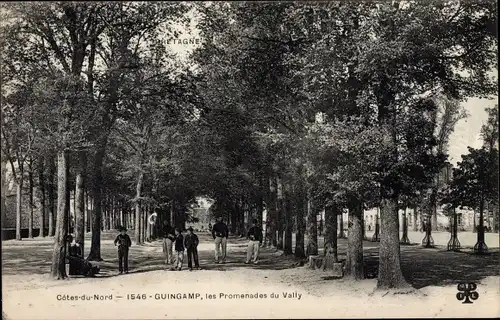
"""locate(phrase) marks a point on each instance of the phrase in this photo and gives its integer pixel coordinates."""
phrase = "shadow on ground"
(437, 267)
(421, 267)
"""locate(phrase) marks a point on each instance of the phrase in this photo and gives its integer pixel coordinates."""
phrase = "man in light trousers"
(220, 233)
(255, 240)
(168, 239)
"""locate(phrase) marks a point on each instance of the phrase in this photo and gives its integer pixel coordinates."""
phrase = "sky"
(467, 131)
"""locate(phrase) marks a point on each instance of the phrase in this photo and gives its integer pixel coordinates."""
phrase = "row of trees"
(475, 180)
(74, 76)
(286, 107)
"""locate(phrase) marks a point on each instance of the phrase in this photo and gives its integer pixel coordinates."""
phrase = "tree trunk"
(68, 196)
(95, 247)
(495, 218)
(390, 275)
(363, 226)
(58, 268)
(74, 203)
(433, 204)
(287, 245)
(30, 200)
(148, 227)
(312, 227)
(300, 213)
(138, 191)
(300, 251)
(241, 220)
(271, 225)
(415, 219)
(112, 213)
(330, 236)
(341, 226)
(79, 201)
(123, 222)
(480, 247)
(104, 213)
(144, 222)
(19, 198)
(3, 187)
(434, 217)
(172, 212)
(354, 262)
(404, 238)
(107, 210)
(52, 198)
(41, 192)
(280, 213)
(88, 210)
(131, 218)
(260, 203)
(116, 213)
(234, 217)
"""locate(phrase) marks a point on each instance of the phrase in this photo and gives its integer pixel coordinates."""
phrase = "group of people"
(220, 233)
(175, 243)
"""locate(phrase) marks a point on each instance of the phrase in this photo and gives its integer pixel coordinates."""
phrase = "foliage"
(475, 180)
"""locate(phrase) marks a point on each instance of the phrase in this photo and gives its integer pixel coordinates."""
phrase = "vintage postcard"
(246, 160)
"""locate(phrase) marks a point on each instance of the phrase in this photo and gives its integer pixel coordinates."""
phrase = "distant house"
(202, 213)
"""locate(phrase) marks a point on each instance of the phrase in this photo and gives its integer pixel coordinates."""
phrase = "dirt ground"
(277, 287)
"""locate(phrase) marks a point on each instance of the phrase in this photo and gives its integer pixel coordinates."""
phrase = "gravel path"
(277, 287)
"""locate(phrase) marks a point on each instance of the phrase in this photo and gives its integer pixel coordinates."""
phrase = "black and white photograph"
(249, 159)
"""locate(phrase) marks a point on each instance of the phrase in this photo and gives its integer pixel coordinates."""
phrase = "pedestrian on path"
(191, 242)
(255, 241)
(220, 233)
(179, 249)
(168, 239)
(123, 241)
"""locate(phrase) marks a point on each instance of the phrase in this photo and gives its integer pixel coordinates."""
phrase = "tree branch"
(124, 136)
(55, 47)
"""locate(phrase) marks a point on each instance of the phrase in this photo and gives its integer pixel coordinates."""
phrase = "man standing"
(124, 243)
(168, 239)
(191, 242)
(255, 237)
(220, 233)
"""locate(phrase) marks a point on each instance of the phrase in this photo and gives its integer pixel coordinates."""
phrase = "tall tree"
(475, 181)
(489, 134)
(446, 115)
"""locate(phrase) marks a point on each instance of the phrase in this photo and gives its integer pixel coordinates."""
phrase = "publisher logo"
(467, 292)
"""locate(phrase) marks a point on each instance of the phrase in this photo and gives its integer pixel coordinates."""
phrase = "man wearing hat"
(220, 233)
(191, 243)
(255, 237)
(123, 241)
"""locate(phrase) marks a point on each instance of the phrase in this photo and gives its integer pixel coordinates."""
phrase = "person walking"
(220, 233)
(168, 239)
(255, 241)
(123, 241)
(191, 242)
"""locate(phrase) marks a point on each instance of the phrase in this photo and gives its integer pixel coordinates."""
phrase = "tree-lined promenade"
(288, 108)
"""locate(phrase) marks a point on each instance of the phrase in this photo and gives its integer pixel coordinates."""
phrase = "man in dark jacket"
(179, 249)
(168, 238)
(220, 233)
(123, 241)
(191, 243)
(255, 240)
